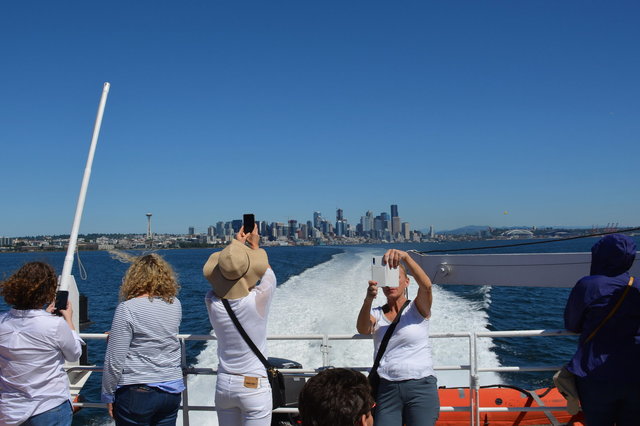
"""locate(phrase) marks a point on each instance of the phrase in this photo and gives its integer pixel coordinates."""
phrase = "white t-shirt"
(235, 356)
(408, 354)
(33, 348)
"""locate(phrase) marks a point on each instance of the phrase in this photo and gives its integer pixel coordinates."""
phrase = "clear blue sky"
(457, 111)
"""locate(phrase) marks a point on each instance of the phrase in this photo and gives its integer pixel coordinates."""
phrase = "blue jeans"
(605, 403)
(410, 402)
(57, 416)
(144, 405)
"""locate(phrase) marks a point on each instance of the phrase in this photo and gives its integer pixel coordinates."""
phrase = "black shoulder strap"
(244, 335)
(387, 336)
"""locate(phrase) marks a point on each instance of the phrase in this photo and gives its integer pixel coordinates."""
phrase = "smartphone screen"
(248, 222)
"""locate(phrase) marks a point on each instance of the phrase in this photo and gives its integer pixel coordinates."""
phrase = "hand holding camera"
(383, 271)
(249, 232)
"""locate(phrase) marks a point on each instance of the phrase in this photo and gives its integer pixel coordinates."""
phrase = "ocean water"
(320, 290)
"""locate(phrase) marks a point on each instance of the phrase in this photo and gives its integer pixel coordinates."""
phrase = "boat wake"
(326, 299)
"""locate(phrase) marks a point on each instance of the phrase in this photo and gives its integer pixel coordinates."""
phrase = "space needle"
(149, 236)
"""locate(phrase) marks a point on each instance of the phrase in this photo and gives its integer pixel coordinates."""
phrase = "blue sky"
(457, 111)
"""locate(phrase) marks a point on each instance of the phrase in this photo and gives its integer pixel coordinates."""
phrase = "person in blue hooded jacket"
(607, 367)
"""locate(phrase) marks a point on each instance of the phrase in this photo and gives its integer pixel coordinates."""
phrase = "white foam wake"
(327, 299)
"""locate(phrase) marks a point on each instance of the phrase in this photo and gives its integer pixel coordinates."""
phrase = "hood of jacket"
(612, 255)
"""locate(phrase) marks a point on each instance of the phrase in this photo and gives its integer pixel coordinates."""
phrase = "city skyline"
(462, 113)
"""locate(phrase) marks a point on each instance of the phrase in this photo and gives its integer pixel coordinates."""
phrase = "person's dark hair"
(30, 287)
(336, 396)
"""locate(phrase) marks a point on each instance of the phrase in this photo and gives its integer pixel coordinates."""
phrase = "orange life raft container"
(507, 396)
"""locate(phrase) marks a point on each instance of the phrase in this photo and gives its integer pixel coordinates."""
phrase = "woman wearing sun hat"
(241, 274)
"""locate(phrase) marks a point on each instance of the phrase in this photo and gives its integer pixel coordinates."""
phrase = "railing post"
(185, 392)
(325, 350)
(474, 380)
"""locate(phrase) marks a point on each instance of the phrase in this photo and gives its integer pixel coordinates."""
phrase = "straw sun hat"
(234, 271)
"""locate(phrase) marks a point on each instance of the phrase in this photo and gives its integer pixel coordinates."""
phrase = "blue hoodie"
(614, 353)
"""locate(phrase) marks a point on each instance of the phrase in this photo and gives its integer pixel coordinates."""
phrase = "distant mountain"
(474, 229)
(466, 230)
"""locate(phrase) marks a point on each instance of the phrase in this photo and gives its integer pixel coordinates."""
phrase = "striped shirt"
(143, 346)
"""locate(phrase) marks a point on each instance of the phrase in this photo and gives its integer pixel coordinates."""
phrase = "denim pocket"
(136, 402)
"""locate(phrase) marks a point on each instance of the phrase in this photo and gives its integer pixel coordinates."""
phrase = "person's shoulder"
(269, 273)
(268, 280)
(598, 283)
(412, 309)
(210, 296)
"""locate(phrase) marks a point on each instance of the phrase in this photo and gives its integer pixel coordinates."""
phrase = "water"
(320, 291)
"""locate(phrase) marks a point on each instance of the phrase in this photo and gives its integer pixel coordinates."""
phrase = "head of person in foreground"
(338, 397)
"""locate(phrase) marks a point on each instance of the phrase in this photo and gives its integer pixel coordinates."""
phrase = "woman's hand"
(110, 409)
(393, 257)
(252, 239)
(372, 290)
(67, 313)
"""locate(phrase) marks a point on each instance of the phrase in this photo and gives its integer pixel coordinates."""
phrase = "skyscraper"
(317, 220)
(395, 220)
(395, 225)
(406, 231)
(339, 215)
(293, 227)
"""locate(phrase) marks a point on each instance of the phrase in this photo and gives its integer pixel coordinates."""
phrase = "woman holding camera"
(408, 391)
(241, 275)
(34, 344)
(142, 379)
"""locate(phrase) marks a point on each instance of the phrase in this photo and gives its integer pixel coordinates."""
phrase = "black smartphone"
(248, 222)
(62, 296)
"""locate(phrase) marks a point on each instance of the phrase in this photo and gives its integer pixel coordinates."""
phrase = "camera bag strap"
(387, 337)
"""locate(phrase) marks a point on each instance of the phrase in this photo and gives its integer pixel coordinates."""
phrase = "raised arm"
(424, 299)
(366, 322)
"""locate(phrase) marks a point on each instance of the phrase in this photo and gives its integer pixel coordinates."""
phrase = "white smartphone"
(383, 274)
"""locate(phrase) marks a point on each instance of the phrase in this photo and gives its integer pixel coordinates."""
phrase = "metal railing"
(474, 407)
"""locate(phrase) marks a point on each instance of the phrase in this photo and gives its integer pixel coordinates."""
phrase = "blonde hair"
(149, 274)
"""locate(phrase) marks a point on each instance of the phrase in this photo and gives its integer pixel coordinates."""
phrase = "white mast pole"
(66, 278)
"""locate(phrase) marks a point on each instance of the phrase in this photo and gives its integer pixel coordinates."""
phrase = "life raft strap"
(540, 403)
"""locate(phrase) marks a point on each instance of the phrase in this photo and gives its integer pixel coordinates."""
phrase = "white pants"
(238, 405)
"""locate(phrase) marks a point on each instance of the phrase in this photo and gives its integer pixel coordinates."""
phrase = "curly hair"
(150, 274)
(336, 396)
(30, 287)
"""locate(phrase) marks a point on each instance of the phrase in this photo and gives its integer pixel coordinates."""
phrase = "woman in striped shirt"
(142, 379)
